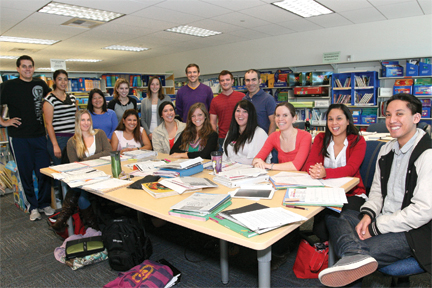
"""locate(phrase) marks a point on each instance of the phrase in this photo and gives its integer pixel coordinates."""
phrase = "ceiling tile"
(10, 17)
(377, 3)
(235, 5)
(250, 34)
(363, 15)
(401, 10)
(426, 6)
(273, 29)
(123, 6)
(240, 19)
(154, 25)
(270, 13)
(300, 25)
(42, 31)
(194, 7)
(215, 25)
(26, 5)
(158, 13)
(340, 6)
(330, 20)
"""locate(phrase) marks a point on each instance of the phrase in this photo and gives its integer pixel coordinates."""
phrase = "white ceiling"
(145, 21)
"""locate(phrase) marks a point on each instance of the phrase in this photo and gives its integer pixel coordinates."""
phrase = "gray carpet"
(27, 259)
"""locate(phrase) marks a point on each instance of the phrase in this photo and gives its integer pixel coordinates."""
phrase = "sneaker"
(47, 210)
(347, 270)
(34, 215)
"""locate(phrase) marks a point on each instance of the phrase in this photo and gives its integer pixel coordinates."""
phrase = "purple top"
(187, 96)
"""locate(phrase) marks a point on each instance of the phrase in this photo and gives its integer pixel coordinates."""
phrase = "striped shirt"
(64, 113)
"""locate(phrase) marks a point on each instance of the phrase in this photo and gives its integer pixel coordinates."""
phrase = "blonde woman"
(86, 144)
(122, 101)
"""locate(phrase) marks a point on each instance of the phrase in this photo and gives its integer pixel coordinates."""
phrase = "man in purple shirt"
(192, 93)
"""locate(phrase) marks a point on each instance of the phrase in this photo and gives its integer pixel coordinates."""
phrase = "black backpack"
(127, 243)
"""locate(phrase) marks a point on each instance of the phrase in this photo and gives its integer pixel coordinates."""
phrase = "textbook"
(169, 172)
(233, 226)
(200, 217)
(158, 190)
(315, 197)
(201, 203)
(182, 163)
(141, 154)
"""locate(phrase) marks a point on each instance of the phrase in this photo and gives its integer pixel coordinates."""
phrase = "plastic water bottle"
(307, 125)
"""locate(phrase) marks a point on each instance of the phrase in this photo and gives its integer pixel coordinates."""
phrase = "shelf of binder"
(357, 88)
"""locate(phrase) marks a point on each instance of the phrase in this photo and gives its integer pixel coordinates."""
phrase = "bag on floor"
(127, 243)
(84, 247)
(310, 259)
(146, 274)
(78, 225)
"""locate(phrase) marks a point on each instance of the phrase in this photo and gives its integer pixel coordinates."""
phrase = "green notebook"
(234, 226)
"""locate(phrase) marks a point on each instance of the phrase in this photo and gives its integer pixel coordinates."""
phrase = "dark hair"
(90, 104)
(192, 65)
(56, 74)
(162, 106)
(413, 103)
(287, 105)
(351, 129)
(121, 126)
(254, 71)
(161, 96)
(225, 72)
(234, 130)
(190, 132)
(24, 57)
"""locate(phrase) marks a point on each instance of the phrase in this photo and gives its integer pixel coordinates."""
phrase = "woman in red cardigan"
(338, 152)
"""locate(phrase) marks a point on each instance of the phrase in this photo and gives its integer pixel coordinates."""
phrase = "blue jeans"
(220, 142)
(385, 248)
(83, 200)
(62, 142)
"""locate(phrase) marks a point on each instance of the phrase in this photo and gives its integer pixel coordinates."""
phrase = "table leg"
(224, 261)
(264, 274)
(69, 222)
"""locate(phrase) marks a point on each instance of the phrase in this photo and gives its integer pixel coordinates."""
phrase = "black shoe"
(278, 260)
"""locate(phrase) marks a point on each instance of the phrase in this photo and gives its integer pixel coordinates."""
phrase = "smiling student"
(198, 138)
(338, 152)
(129, 135)
(293, 145)
(122, 101)
(103, 118)
(167, 133)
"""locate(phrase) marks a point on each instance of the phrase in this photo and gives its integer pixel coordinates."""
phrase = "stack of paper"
(256, 219)
(315, 197)
(239, 177)
(284, 180)
(187, 184)
(106, 186)
(201, 204)
(182, 163)
(82, 177)
(68, 167)
(95, 162)
(122, 158)
(141, 154)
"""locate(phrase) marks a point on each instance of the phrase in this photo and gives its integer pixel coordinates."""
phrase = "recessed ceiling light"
(303, 8)
(83, 60)
(79, 12)
(27, 40)
(126, 48)
(8, 57)
(194, 31)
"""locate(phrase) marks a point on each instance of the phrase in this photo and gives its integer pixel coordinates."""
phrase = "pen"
(295, 207)
(91, 171)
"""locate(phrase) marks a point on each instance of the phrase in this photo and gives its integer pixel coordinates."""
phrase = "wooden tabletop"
(142, 201)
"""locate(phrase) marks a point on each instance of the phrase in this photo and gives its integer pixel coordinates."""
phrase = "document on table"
(95, 162)
(316, 196)
(336, 182)
(263, 219)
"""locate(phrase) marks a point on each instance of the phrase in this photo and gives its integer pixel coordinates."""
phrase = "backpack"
(127, 243)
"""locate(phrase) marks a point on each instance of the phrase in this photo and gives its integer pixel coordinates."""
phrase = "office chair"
(377, 127)
(299, 125)
(401, 270)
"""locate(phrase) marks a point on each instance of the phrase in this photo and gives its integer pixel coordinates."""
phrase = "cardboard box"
(391, 69)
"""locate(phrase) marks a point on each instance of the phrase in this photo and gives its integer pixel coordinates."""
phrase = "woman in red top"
(338, 152)
(293, 145)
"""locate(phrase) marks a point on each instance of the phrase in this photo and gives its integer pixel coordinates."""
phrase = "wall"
(391, 39)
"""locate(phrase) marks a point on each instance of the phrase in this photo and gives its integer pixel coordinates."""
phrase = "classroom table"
(143, 202)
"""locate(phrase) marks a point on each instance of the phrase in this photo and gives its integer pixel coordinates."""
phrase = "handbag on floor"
(84, 247)
(311, 259)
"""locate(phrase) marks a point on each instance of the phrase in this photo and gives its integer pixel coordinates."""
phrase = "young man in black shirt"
(24, 97)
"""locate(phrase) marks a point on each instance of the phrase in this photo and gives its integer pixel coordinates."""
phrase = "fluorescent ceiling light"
(304, 8)
(194, 31)
(79, 12)
(44, 69)
(27, 40)
(126, 48)
(8, 57)
(83, 60)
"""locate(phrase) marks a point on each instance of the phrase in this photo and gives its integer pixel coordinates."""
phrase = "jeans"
(62, 142)
(220, 142)
(83, 200)
(384, 248)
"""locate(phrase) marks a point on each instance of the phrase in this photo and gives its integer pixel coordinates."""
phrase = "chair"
(401, 270)
(377, 127)
(299, 125)
(367, 169)
(423, 125)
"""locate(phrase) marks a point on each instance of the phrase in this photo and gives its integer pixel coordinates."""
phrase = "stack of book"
(333, 198)
(238, 177)
(181, 167)
(201, 206)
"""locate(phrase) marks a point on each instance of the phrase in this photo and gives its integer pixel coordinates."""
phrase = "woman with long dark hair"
(198, 138)
(59, 110)
(244, 138)
(150, 106)
(293, 145)
(129, 135)
(338, 152)
(103, 118)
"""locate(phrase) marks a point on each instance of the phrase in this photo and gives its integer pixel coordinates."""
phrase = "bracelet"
(271, 168)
